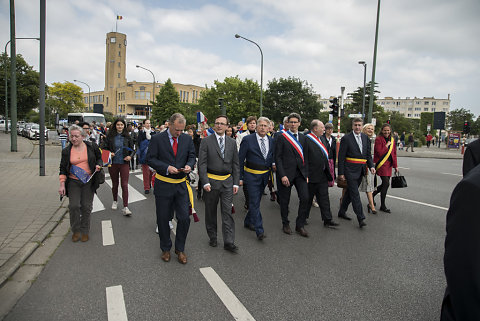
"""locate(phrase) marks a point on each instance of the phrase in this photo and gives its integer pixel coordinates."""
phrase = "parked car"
(20, 128)
(34, 132)
(26, 129)
(2, 124)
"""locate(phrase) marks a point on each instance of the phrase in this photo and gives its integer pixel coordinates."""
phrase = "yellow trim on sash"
(254, 171)
(356, 160)
(386, 156)
(218, 177)
(178, 181)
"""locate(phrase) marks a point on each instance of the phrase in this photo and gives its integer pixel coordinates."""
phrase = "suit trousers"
(80, 205)
(320, 191)
(352, 195)
(255, 185)
(284, 193)
(176, 200)
(219, 192)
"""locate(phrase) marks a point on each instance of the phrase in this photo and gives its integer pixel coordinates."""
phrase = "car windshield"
(35, 126)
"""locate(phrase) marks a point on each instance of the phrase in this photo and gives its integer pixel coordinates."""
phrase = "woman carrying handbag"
(385, 158)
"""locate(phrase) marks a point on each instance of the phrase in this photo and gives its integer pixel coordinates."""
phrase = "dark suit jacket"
(471, 157)
(210, 160)
(287, 159)
(250, 152)
(462, 247)
(349, 148)
(160, 154)
(318, 168)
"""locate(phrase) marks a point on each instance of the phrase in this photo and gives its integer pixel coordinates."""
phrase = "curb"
(12, 265)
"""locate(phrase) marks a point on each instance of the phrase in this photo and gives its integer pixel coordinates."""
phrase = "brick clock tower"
(115, 66)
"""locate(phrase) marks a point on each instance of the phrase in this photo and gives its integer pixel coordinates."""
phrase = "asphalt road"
(390, 270)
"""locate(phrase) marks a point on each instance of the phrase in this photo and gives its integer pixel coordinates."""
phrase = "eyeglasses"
(220, 124)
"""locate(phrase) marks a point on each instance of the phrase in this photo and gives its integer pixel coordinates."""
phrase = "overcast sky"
(425, 48)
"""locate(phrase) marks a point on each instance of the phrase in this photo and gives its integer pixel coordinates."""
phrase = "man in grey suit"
(218, 167)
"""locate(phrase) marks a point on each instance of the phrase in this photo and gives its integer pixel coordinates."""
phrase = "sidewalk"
(30, 207)
(432, 152)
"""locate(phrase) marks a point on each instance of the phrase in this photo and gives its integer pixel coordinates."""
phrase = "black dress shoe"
(260, 237)
(384, 209)
(272, 197)
(301, 231)
(287, 229)
(330, 223)
(231, 247)
(250, 227)
(213, 243)
(345, 217)
(362, 224)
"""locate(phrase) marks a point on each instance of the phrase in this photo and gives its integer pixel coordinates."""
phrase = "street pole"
(342, 89)
(364, 87)
(261, 71)
(372, 84)
(153, 87)
(42, 87)
(13, 79)
(88, 92)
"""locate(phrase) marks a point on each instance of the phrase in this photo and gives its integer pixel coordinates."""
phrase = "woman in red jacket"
(385, 158)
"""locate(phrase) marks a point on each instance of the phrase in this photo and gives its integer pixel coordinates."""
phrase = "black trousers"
(382, 189)
(284, 199)
(320, 191)
(352, 196)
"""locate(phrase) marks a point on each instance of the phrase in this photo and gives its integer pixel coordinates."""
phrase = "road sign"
(355, 115)
(429, 127)
(374, 121)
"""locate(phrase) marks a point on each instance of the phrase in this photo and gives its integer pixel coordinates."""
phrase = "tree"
(475, 127)
(240, 97)
(426, 119)
(167, 102)
(63, 98)
(456, 118)
(291, 95)
(27, 85)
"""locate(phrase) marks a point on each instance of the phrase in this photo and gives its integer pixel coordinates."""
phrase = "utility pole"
(41, 136)
(372, 84)
(13, 79)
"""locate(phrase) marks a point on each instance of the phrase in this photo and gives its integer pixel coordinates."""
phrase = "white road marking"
(452, 174)
(403, 167)
(107, 233)
(417, 202)
(116, 304)
(133, 194)
(97, 204)
(140, 177)
(236, 308)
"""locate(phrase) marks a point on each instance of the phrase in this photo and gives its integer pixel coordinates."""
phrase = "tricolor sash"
(294, 142)
(319, 143)
(386, 156)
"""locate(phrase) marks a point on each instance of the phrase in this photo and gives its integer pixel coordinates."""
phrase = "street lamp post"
(6, 82)
(364, 85)
(89, 109)
(372, 84)
(261, 70)
(153, 88)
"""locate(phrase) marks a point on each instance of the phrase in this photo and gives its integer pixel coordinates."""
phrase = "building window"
(119, 45)
(118, 64)
(445, 103)
(434, 103)
(417, 103)
(118, 75)
(427, 102)
(187, 97)
(418, 108)
(410, 108)
(425, 109)
(417, 115)
(445, 109)
(142, 95)
(433, 109)
(119, 54)
(409, 115)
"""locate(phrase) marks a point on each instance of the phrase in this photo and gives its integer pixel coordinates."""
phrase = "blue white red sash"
(292, 140)
(319, 143)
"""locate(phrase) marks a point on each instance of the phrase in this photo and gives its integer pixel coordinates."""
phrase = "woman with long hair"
(120, 144)
(385, 158)
(367, 184)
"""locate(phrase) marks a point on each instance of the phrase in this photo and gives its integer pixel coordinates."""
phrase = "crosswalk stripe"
(107, 233)
(97, 204)
(140, 177)
(116, 310)
(231, 302)
(133, 194)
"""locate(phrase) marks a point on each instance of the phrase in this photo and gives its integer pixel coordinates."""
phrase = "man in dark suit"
(354, 153)
(291, 159)
(462, 245)
(219, 172)
(319, 171)
(472, 156)
(256, 157)
(172, 155)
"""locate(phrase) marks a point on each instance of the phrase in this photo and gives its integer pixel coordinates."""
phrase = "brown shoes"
(301, 231)
(76, 237)
(182, 258)
(166, 256)
(84, 238)
(287, 229)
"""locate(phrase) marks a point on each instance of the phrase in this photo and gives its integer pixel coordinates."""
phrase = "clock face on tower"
(113, 40)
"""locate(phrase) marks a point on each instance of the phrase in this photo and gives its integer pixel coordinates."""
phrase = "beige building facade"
(123, 98)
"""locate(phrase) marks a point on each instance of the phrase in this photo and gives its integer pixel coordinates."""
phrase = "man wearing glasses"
(291, 159)
(218, 169)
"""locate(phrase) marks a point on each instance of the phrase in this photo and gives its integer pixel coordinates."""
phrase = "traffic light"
(334, 107)
(388, 121)
(466, 127)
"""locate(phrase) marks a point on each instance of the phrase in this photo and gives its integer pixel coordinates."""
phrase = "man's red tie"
(174, 146)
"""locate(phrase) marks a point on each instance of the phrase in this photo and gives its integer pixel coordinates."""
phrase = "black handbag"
(399, 181)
